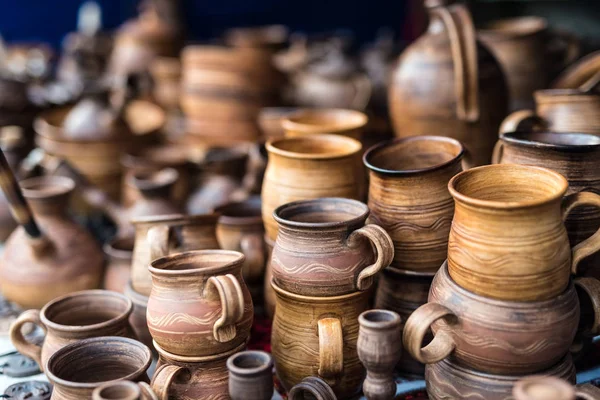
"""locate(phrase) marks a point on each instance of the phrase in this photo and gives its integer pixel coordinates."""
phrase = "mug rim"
(513, 138)
(157, 267)
(251, 203)
(354, 146)
(46, 187)
(174, 219)
(354, 120)
(267, 365)
(192, 359)
(323, 200)
(315, 299)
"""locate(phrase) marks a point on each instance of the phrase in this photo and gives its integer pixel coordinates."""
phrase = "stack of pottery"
(324, 262)
(409, 198)
(503, 305)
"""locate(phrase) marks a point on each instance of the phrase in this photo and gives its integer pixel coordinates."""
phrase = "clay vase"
(446, 82)
(338, 121)
(124, 390)
(418, 220)
(311, 387)
(295, 172)
(199, 304)
(573, 155)
(500, 337)
(250, 376)
(448, 380)
(324, 247)
(119, 254)
(64, 259)
(379, 349)
(508, 240)
(317, 336)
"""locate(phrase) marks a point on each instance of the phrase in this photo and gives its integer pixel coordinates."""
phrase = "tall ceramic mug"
(576, 156)
(324, 247)
(409, 198)
(199, 304)
(73, 317)
(310, 167)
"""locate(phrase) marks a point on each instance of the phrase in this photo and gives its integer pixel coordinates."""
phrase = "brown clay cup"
(250, 375)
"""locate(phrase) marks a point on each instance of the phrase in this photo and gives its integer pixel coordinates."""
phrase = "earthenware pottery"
(317, 336)
(250, 375)
(268, 292)
(573, 155)
(538, 387)
(70, 318)
(186, 232)
(379, 349)
(447, 83)
(199, 304)
(295, 172)
(500, 337)
(124, 390)
(419, 219)
(60, 255)
(137, 319)
(208, 377)
(324, 247)
(508, 240)
(325, 120)
(119, 254)
(270, 120)
(448, 380)
(312, 387)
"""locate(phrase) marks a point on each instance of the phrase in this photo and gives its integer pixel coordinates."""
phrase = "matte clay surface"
(250, 375)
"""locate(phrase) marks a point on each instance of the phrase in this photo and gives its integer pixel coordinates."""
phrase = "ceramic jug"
(508, 240)
(324, 248)
(250, 375)
(446, 83)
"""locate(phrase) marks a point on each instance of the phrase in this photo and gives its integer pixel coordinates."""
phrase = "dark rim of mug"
(301, 204)
(266, 362)
(351, 146)
(160, 265)
(121, 248)
(372, 152)
(522, 138)
(392, 319)
(247, 212)
(409, 273)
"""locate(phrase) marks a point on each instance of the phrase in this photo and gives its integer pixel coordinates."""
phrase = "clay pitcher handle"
(591, 288)
(31, 350)
(317, 387)
(416, 328)
(331, 348)
(231, 297)
(164, 377)
(253, 247)
(384, 247)
(592, 244)
(522, 120)
(587, 392)
(158, 241)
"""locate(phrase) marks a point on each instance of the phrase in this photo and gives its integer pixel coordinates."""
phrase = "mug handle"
(522, 120)
(416, 328)
(163, 378)
(158, 240)
(587, 391)
(253, 247)
(231, 297)
(313, 385)
(147, 392)
(31, 350)
(331, 347)
(591, 287)
(384, 247)
(592, 244)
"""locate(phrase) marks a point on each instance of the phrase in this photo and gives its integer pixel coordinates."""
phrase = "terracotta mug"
(500, 337)
(70, 318)
(409, 198)
(508, 240)
(199, 304)
(250, 375)
(124, 390)
(324, 247)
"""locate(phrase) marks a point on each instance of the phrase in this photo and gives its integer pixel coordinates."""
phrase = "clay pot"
(447, 83)
(418, 220)
(137, 319)
(303, 160)
(500, 337)
(508, 240)
(448, 380)
(379, 350)
(328, 120)
(187, 232)
(317, 336)
(312, 387)
(119, 253)
(250, 376)
(199, 304)
(324, 248)
(60, 255)
(540, 387)
(124, 390)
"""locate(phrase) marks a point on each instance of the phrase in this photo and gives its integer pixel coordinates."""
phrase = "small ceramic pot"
(119, 254)
(324, 247)
(124, 390)
(137, 319)
(312, 387)
(70, 318)
(349, 123)
(250, 376)
(199, 304)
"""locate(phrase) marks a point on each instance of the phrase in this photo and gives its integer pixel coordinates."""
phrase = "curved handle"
(384, 247)
(147, 392)
(591, 287)
(522, 120)
(331, 347)
(158, 241)
(416, 328)
(498, 152)
(31, 350)
(591, 83)
(467, 160)
(231, 297)
(587, 391)
(253, 247)
(163, 378)
(363, 88)
(317, 387)
(592, 244)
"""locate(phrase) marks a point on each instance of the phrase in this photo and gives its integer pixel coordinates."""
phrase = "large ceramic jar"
(446, 83)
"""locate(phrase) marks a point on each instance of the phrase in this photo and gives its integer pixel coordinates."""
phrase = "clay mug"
(119, 254)
(124, 390)
(500, 337)
(324, 247)
(311, 388)
(338, 121)
(250, 375)
(541, 387)
(508, 240)
(199, 304)
(409, 198)
(71, 318)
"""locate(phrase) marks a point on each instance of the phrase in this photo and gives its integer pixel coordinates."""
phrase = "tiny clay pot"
(250, 375)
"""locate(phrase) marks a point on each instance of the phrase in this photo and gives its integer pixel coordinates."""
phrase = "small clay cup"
(250, 375)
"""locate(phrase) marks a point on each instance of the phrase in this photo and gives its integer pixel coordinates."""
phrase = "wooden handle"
(522, 121)
(418, 325)
(384, 247)
(31, 350)
(163, 379)
(592, 244)
(158, 241)
(253, 247)
(591, 288)
(317, 387)
(232, 306)
(331, 348)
